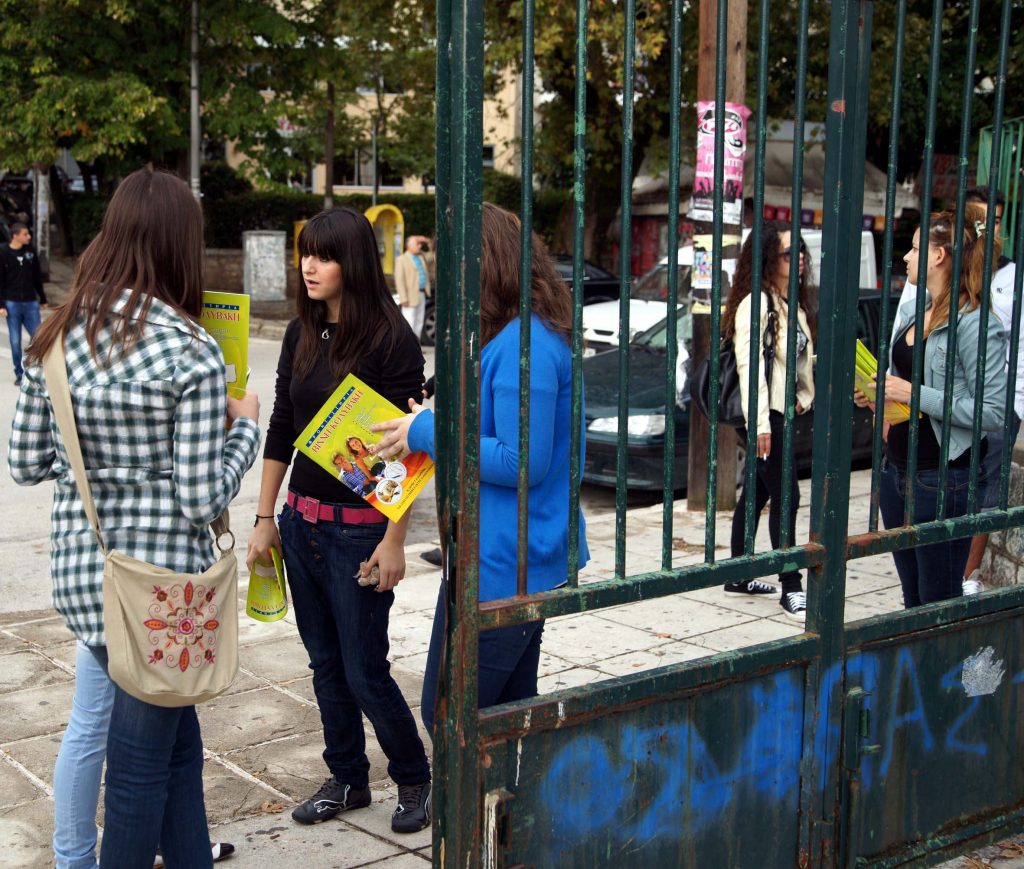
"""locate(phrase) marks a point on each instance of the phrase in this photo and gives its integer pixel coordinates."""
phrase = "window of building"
(355, 169)
(488, 156)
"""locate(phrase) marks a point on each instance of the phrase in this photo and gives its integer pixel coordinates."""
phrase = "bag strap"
(55, 370)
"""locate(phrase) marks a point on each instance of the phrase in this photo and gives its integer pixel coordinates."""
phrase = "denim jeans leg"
(154, 789)
(348, 644)
(79, 767)
(891, 496)
(507, 664)
(941, 565)
(15, 313)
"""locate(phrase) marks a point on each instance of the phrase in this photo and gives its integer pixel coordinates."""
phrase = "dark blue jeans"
(21, 314)
(344, 628)
(154, 780)
(507, 669)
(936, 571)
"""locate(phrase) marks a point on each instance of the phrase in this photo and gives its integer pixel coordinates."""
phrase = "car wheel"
(429, 334)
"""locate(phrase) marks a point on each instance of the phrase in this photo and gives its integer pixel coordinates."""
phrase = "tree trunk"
(60, 209)
(329, 149)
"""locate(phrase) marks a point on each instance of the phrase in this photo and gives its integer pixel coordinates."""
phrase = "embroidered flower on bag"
(183, 626)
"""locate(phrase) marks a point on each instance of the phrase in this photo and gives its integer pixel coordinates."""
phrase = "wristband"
(258, 517)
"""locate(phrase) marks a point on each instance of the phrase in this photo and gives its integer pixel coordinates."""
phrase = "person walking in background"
(328, 535)
(935, 572)
(778, 257)
(150, 402)
(412, 281)
(509, 657)
(21, 290)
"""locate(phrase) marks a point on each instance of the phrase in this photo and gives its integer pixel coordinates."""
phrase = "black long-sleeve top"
(21, 279)
(397, 375)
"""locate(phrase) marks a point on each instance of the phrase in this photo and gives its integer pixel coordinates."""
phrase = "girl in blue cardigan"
(508, 657)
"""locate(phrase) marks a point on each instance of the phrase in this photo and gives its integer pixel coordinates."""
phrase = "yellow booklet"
(226, 318)
(338, 437)
(864, 373)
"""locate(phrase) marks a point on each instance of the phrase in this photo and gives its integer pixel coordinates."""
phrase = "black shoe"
(332, 798)
(413, 812)
(432, 556)
(17, 381)
(219, 851)
(751, 586)
(794, 604)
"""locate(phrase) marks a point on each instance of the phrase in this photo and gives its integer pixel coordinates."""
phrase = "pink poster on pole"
(702, 207)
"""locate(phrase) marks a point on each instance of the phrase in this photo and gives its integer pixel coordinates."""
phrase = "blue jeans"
(21, 314)
(344, 627)
(79, 767)
(507, 665)
(988, 479)
(154, 790)
(936, 571)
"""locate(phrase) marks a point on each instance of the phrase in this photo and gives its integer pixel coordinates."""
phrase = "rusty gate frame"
(483, 815)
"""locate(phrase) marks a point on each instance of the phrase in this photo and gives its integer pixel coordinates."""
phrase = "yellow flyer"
(337, 439)
(226, 318)
(864, 374)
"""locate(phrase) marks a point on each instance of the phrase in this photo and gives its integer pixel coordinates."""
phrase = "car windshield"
(653, 286)
(656, 336)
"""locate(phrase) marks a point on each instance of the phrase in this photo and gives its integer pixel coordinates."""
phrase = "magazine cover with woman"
(338, 440)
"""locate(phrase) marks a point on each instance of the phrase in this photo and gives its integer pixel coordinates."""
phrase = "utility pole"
(195, 134)
(735, 92)
(329, 149)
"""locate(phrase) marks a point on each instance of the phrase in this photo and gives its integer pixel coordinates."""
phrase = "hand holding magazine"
(865, 373)
(225, 317)
(339, 437)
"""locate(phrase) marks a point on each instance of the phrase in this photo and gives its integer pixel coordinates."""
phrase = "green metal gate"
(881, 742)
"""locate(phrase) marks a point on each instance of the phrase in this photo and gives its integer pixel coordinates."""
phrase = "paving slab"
(44, 633)
(674, 617)
(15, 789)
(29, 669)
(279, 660)
(25, 832)
(35, 711)
(661, 656)
(253, 718)
(37, 755)
(230, 796)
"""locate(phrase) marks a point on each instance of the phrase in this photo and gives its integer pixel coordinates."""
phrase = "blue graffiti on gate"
(589, 784)
(668, 776)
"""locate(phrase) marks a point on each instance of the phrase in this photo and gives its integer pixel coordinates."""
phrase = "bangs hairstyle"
(151, 244)
(501, 238)
(368, 316)
(972, 265)
(771, 252)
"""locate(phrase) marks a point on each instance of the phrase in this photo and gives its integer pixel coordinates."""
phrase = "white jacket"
(776, 398)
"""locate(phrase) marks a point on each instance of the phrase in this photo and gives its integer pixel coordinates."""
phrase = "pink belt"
(313, 511)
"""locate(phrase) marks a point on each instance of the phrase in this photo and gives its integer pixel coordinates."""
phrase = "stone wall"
(1003, 563)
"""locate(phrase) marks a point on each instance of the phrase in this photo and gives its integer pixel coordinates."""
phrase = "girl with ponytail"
(935, 572)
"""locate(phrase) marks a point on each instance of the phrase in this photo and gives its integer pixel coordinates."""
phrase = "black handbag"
(730, 401)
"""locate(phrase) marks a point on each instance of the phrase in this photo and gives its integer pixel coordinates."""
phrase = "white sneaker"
(973, 583)
(794, 604)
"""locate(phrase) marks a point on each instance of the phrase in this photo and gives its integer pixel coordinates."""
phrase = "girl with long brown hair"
(778, 257)
(935, 572)
(150, 399)
(347, 323)
(508, 657)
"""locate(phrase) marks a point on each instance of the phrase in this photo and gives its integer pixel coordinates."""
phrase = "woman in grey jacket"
(935, 572)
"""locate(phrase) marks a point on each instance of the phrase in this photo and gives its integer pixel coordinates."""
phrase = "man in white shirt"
(1004, 273)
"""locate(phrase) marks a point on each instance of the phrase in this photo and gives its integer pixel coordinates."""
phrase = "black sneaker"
(413, 812)
(17, 381)
(432, 556)
(794, 604)
(750, 586)
(332, 798)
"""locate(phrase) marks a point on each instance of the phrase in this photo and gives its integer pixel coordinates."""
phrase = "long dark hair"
(499, 278)
(368, 316)
(150, 243)
(940, 234)
(743, 282)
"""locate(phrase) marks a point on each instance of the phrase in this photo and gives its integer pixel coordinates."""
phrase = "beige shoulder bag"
(172, 638)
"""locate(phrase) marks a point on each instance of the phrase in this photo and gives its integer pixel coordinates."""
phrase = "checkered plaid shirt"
(151, 426)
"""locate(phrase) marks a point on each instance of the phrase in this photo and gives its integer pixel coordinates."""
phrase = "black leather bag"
(730, 402)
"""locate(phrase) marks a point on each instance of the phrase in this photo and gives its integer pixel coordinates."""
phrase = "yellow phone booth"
(389, 228)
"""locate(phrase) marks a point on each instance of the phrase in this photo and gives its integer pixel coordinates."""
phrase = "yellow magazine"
(337, 439)
(864, 373)
(226, 318)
